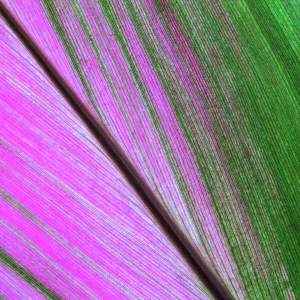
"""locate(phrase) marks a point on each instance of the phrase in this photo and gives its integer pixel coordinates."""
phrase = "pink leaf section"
(158, 148)
(67, 216)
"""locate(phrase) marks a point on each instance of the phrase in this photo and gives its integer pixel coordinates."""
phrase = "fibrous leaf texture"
(202, 99)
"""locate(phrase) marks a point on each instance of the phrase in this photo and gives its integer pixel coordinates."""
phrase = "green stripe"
(27, 276)
(268, 106)
(276, 127)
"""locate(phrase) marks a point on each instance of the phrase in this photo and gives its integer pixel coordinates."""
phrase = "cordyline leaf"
(200, 98)
(70, 225)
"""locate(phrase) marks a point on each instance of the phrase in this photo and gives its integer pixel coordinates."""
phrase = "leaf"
(67, 216)
(205, 110)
